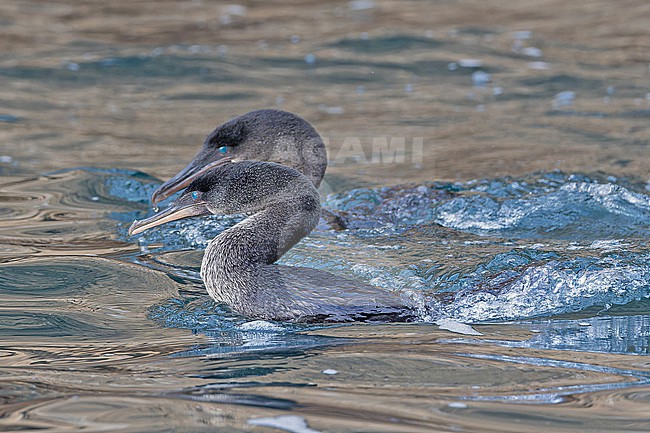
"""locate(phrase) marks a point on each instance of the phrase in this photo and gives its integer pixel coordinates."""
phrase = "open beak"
(193, 170)
(172, 213)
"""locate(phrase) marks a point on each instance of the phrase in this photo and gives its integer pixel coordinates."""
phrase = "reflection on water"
(394, 243)
(627, 334)
(132, 310)
(525, 212)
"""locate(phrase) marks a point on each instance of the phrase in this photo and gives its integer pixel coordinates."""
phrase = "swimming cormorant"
(238, 267)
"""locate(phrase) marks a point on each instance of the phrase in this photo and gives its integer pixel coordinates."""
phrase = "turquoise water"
(519, 226)
(547, 245)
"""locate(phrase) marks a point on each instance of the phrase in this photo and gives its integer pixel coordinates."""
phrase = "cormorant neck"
(236, 264)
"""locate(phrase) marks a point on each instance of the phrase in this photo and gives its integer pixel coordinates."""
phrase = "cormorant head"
(262, 135)
(238, 188)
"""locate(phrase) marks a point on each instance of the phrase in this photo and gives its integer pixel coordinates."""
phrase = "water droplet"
(481, 78)
(564, 99)
(532, 52)
(71, 66)
(470, 63)
(310, 59)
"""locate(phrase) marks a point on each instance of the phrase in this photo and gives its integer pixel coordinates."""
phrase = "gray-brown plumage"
(238, 267)
(262, 135)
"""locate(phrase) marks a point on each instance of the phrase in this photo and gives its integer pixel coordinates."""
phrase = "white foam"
(260, 325)
(290, 423)
(457, 327)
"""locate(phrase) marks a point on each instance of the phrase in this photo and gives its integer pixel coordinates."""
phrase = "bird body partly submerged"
(238, 266)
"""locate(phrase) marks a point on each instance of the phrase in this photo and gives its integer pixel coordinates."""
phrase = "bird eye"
(223, 149)
(195, 195)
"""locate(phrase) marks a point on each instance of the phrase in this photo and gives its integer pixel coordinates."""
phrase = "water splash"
(493, 250)
(547, 205)
(545, 288)
(229, 332)
(575, 208)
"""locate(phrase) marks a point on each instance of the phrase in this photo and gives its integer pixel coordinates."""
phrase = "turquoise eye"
(195, 195)
(223, 149)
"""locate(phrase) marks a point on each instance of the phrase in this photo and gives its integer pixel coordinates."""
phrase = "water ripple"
(545, 288)
(627, 378)
(555, 244)
(573, 211)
